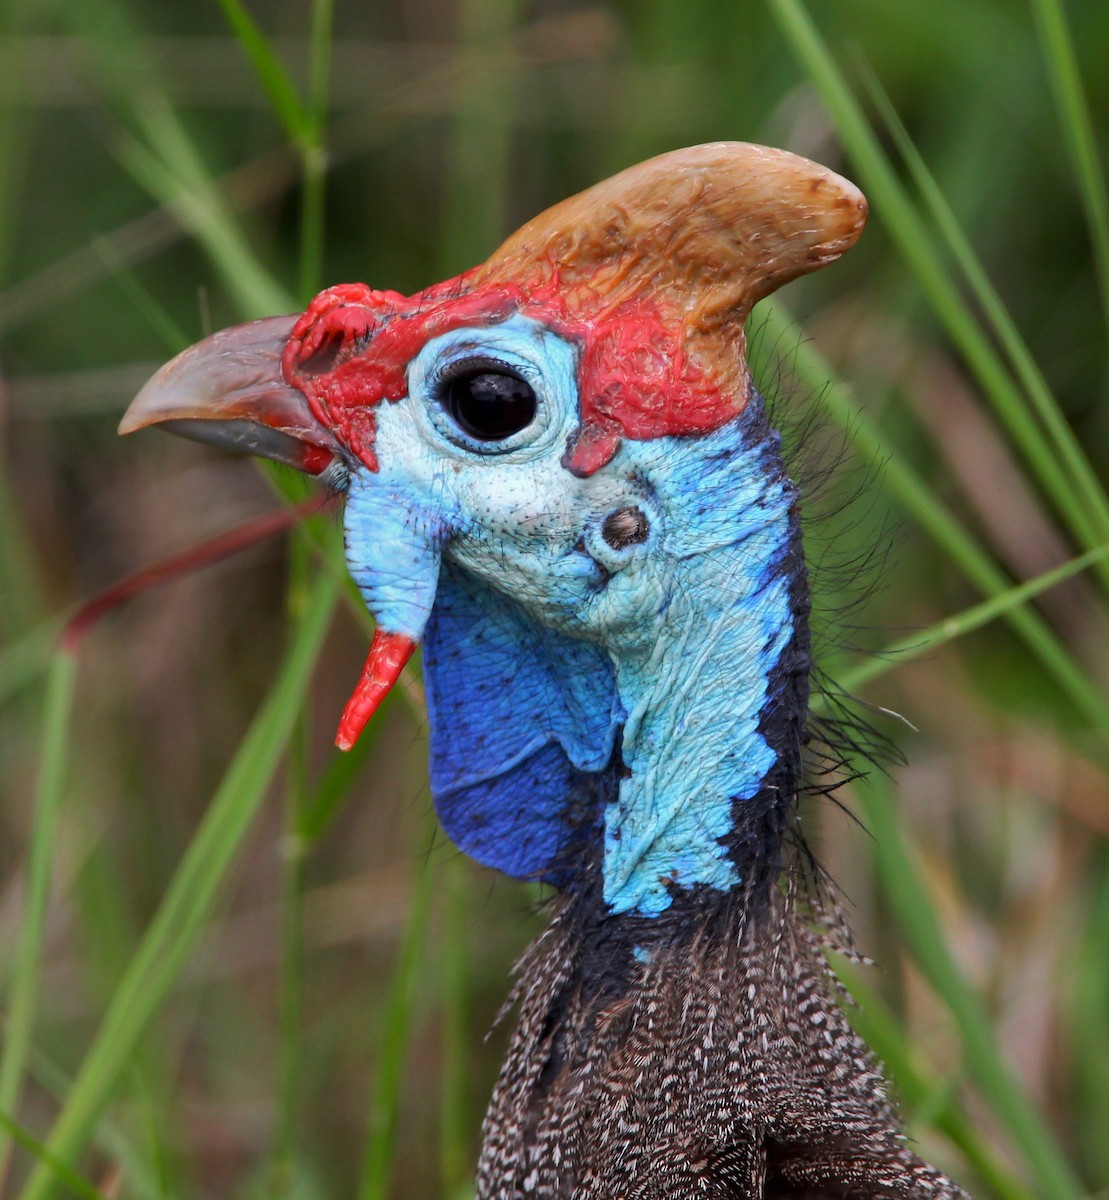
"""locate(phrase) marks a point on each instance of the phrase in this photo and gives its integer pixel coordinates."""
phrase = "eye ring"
(489, 400)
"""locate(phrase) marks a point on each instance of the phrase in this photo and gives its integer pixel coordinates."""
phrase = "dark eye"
(488, 401)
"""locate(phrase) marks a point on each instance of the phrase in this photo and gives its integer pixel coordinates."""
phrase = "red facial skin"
(352, 347)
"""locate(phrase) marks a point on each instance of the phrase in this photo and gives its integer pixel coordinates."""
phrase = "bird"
(563, 484)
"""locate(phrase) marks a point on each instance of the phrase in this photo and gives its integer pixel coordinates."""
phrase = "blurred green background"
(233, 964)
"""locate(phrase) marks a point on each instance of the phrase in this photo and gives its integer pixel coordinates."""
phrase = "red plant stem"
(196, 557)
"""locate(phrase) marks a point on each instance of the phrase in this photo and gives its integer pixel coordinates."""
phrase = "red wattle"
(389, 652)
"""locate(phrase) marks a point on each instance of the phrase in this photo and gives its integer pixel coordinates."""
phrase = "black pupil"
(490, 405)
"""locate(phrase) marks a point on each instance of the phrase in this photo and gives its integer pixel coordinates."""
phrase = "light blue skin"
(542, 640)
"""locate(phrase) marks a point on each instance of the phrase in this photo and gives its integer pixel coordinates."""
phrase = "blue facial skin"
(551, 656)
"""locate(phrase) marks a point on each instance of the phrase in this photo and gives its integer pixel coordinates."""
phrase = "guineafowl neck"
(715, 693)
(722, 1069)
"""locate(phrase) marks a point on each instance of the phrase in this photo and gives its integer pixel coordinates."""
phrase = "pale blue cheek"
(392, 552)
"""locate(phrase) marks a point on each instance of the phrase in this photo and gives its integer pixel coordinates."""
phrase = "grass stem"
(23, 997)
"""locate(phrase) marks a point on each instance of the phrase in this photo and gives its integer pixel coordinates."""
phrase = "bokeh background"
(234, 965)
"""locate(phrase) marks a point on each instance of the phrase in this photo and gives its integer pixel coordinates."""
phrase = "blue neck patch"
(523, 718)
(694, 743)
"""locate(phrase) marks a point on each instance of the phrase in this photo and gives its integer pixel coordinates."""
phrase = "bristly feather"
(725, 1069)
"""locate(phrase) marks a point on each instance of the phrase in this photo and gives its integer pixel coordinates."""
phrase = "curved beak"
(229, 391)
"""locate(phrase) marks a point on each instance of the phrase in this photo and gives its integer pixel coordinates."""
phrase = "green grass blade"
(985, 1062)
(304, 122)
(1078, 129)
(1088, 487)
(920, 502)
(27, 658)
(283, 1173)
(919, 1089)
(63, 1174)
(23, 995)
(165, 160)
(454, 965)
(388, 1086)
(188, 903)
(284, 100)
(967, 621)
(315, 159)
(110, 1139)
(293, 880)
(889, 198)
(183, 189)
(319, 62)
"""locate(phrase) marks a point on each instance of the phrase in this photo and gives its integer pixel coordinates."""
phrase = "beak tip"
(129, 423)
(229, 391)
(146, 407)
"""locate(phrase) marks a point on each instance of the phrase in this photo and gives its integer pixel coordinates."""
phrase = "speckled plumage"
(726, 1070)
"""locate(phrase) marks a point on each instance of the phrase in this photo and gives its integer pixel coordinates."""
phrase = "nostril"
(624, 527)
(324, 356)
(335, 336)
